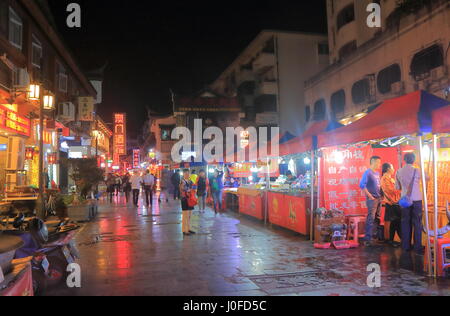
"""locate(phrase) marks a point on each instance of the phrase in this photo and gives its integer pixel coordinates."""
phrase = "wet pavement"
(135, 251)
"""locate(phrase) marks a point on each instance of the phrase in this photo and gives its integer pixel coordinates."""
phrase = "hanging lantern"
(49, 102)
(29, 153)
(34, 92)
(52, 158)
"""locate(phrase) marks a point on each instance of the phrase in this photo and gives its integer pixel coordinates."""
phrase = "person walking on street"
(391, 197)
(149, 186)
(408, 181)
(216, 184)
(371, 186)
(126, 186)
(110, 186)
(136, 183)
(176, 178)
(186, 187)
(118, 185)
(202, 190)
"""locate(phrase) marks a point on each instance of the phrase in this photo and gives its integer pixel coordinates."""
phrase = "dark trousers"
(394, 215)
(135, 196)
(176, 192)
(148, 194)
(373, 218)
(412, 225)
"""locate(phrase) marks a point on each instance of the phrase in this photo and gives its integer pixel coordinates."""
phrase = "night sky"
(154, 46)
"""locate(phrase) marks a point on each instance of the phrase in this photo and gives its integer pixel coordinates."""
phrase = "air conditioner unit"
(22, 79)
(398, 87)
(15, 154)
(438, 73)
(67, 111)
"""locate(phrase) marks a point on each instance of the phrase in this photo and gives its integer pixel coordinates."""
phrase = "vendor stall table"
(251, 202)
(290, 211)
(231, 199)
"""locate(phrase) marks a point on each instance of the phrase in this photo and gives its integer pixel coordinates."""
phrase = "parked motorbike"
(50, 244)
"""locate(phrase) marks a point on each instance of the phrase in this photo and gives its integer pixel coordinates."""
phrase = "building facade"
(409, 52)
(31, 53)
(267, 78)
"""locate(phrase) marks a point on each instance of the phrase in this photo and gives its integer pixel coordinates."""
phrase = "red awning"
(441, 120)
(304, 142)
(405, 115)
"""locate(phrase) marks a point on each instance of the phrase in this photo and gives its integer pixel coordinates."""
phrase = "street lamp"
(47, 103)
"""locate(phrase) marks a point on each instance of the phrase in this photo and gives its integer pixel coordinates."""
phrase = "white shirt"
(404, 178)
(135, 181)
(148, 179)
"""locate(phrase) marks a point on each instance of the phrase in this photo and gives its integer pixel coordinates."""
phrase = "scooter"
(52, 249)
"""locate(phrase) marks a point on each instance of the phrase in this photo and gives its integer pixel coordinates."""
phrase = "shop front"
(396, 127)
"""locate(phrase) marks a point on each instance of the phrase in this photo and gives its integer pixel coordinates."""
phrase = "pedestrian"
(202, 190)
(118, 185)
(110, 186)
(371, 186)
(391, 197)
(408, 181)
(216, 184)
(136, 183)
(186, 187)
(149, 186)
(176, 178)
(126, 186)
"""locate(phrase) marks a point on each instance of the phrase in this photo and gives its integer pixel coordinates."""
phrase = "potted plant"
(86, 175)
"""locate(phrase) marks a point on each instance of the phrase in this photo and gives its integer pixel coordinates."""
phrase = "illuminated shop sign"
(11, 121)
(120, 135)
(136, 158)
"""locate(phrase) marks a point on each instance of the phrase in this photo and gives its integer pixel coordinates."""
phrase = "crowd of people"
(190, 188)
(401, 194)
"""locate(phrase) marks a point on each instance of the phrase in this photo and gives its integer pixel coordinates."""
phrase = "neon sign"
(13, 122)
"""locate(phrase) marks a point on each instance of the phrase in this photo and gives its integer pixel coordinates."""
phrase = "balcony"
(263, 62)
(245, 76)
(267, 88)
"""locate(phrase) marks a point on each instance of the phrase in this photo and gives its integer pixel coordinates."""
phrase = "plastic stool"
(353, 227)
(442, 262)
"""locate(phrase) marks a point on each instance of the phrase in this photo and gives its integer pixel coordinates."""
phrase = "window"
(323, 49)
(62, 78)
(15, 29)
(338, 103)
(307, 113)
(346, 16)
(425, 61)
(387, 77)
(36, 54)
(347, 49)
(361, 91)
(320, 110)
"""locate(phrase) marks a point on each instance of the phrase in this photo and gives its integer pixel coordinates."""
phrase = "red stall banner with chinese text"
(343, 170)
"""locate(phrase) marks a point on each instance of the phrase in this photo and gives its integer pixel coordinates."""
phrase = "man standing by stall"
(408, 180)
(371, 186)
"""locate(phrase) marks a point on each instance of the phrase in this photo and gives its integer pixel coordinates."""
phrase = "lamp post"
(45, 103)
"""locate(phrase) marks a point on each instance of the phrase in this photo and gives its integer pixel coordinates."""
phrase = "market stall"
(290, 199)
(395, 127)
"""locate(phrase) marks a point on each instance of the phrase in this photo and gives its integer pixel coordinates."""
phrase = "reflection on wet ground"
(136, 251)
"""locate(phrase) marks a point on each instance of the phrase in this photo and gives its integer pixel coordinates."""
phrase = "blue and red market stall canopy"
(441, 120)
(406, 115)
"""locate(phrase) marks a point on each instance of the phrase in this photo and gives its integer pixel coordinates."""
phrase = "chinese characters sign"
(86, 109)
(136, 158)
(120, 136)
(9, 120)
(343, 170)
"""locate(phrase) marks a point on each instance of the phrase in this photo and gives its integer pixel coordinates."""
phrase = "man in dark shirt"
(371, 186)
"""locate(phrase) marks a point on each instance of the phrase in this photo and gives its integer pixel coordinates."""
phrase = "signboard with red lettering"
(120, 136)
(343, 170)
(136, 158)
(11, 121)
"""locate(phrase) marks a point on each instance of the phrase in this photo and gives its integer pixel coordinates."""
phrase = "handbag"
(192, 200)
(406, 201)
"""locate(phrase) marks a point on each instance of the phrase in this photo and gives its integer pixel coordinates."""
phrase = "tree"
(86, 175)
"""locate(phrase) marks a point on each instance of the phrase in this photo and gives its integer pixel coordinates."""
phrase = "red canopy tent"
(441, 120)
(405, 115)
(304, 142)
